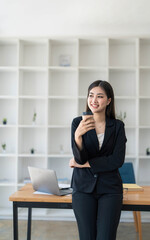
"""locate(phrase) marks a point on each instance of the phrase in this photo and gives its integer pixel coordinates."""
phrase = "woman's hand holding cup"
(87, 123)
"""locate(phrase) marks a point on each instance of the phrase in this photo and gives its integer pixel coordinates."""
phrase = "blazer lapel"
(91, 140)
(109, 131)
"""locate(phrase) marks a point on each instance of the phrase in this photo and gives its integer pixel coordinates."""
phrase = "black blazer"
(103, 174)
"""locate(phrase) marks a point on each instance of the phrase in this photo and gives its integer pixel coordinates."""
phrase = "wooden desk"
(133, 201)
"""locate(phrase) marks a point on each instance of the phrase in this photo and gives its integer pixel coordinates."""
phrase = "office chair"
(127, 175)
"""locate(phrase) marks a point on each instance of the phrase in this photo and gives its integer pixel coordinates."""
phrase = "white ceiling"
(78, 17)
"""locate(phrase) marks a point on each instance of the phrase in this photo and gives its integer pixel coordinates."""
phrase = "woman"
(98, 144)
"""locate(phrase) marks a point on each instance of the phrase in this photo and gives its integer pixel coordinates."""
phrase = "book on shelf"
(132, 187)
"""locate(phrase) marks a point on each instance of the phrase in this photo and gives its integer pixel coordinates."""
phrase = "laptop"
(45, 180)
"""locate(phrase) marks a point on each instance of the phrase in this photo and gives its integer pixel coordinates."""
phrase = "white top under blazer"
(100, 137)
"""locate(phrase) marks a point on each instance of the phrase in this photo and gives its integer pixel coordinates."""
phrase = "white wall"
(74, 17)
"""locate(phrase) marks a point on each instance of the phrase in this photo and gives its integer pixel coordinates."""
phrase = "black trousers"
(97, 215)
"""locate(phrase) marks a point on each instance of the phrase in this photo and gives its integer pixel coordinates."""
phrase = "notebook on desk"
(132, 187)
(45, 180)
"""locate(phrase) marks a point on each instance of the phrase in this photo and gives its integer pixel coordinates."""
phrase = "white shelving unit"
(50, 77)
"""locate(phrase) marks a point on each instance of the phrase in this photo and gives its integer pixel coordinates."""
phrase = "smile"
(94, 105)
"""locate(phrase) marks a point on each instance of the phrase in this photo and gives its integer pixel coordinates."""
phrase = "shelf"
(127, 106)
(144, 97)
(8, 136)
(123, 79)
(8, 69)
(32, 69)
(50, 77)
(5, 192)
(62, 69)
(4, 97)
(144, 140)
(59, 86)
(130, 126)
(62, 97)
(96, 49)
(122, 68)
(32, 138)
(126, 97)
(144, 127)
(30, 97)
(8, 53)
(63, 52)
(6, 155)
(58, 155)
(122, 52)
(92, 69)
(144, 83)
(130, 156)
(7, 126)
(8, 177)
(29, 155)
(144, 157)
(59, 126)
(131, 142)
(82, 97)
(8, 81)
(144, 67)
(144, 114)
(59, 145)
(33, 83)
(59, 109)
(144, 176)
(6, 183)
(33, 53)
(145, 52)
(9, 110)
(27, 108)
(32, 126)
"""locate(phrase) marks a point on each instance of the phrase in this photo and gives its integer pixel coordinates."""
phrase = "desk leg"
(15, 220)
(29, 223)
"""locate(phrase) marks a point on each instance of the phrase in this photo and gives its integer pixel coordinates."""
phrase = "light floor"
(55, 230)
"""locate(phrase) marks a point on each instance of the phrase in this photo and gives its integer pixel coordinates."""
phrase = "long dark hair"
(110, 109)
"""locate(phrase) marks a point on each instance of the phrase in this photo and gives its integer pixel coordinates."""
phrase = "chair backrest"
(127, 173)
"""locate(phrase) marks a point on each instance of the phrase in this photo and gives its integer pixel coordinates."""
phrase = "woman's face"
(97, 100)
